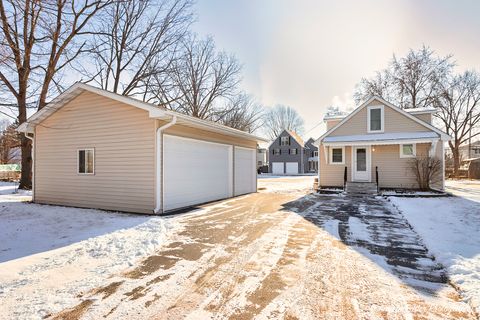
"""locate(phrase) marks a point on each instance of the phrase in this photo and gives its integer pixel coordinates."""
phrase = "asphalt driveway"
(283, 253)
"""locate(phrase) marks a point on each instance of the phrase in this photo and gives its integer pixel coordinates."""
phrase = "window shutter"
(289, 151)
(289, 142)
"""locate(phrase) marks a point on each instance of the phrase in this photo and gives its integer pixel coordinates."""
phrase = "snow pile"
(48, 253)
(450, 228)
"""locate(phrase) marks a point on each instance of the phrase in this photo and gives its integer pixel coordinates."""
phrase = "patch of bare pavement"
(265, 256)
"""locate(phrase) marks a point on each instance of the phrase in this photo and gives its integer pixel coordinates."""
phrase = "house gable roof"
(154, 111)
(292, 134)
(442, 134)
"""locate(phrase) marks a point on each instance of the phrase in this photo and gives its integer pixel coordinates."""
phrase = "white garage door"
(195, 172)
(245, 171)
(292, 167)
(277, 168)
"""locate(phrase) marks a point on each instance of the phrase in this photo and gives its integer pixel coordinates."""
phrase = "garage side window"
(408, 150)
(86, 161)
(337, 155)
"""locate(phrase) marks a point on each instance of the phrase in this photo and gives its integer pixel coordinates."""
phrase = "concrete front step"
(361, 188)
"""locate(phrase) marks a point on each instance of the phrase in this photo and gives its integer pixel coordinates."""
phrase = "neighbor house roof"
(296, 137)
(154, 111)
(440, 133)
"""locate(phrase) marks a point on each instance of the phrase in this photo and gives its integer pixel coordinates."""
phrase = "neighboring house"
(470, 151)
(262, 155)
(97, 149)
(379, 135)
(311, 150)
(289, 154)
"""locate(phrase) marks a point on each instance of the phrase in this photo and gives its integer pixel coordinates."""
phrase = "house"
(470, 151)
(96, 149)
(311, 150)
(378, 137)
(289, 154)
(262, 155)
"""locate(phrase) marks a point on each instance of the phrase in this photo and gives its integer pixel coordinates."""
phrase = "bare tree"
(427, 171)
(9, 141)
(201, 79)
(38, 41)
(459, 104)
(243, 113)
(136, 41)
(280, 118)
(409, 82)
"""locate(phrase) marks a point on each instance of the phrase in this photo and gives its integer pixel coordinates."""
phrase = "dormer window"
(375, 119)
(285, 141)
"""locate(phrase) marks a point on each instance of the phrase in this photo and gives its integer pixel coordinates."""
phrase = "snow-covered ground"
(469, 189)
(450, 227)
(48, 254)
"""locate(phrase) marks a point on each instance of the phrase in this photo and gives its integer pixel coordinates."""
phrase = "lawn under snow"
(70, 249)
(450, 227)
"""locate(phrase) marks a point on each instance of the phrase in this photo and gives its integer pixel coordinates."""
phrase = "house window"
(375, 119)
(337, 155)
(259, 163)
(315, 153)
(276, 152)
(86, 161)
(285, 141)
(293, 151)
(408, 150)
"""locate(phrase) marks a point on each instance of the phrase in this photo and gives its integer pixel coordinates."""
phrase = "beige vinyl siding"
(189, 132)
(426, 117)
(124, 141)
(331, 175)
(332, 123)
(393, 171)
(394, 122)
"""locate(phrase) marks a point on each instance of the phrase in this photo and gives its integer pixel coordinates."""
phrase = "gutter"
(159, 165)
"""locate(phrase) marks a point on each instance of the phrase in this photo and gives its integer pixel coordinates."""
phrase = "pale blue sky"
(310, 54)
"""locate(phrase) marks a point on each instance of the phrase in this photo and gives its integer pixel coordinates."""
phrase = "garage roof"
(154, 111)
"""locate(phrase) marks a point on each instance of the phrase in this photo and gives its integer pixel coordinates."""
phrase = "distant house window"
(259, 163)
(315, 153)
(337, 155)
(375, 119)
(293, 151)
(477, 151)
(285, 141)
(408, 150)
(276, 151)
(86, 161)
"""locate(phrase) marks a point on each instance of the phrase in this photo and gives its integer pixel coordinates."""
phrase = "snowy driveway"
(282, 253)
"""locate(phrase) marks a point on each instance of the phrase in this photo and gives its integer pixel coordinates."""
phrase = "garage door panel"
(245, 171)
(291, 167)
(277, 168)
(195, 172)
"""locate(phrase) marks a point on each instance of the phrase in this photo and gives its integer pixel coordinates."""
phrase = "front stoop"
(363, 188)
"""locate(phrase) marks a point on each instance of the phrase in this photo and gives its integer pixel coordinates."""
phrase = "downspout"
(33, 163)
(159, 165)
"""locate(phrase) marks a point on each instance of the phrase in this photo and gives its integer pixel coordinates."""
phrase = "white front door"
(361, 164)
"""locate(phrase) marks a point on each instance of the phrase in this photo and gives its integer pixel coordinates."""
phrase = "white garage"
(291, 167)
(277, 168)
(245, 171)
(195, 172)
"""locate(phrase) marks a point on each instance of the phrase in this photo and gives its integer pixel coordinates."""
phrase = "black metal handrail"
(376, 178)
(345, 178)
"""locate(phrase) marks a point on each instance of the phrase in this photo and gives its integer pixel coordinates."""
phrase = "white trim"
(414, 147)
(442, 134)
(382, 119)
(159, 192)
(78, 160)
(368, 163)
(330, 156)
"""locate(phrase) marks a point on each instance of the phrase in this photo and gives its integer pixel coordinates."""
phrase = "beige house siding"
(331, 175)
(189, 132)
(332, 123)
(124, 141)
(394, 172)
(426, 117)
(394, 122)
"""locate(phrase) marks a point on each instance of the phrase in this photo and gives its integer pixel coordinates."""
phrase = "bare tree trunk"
(456, 158)
(26, 145)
